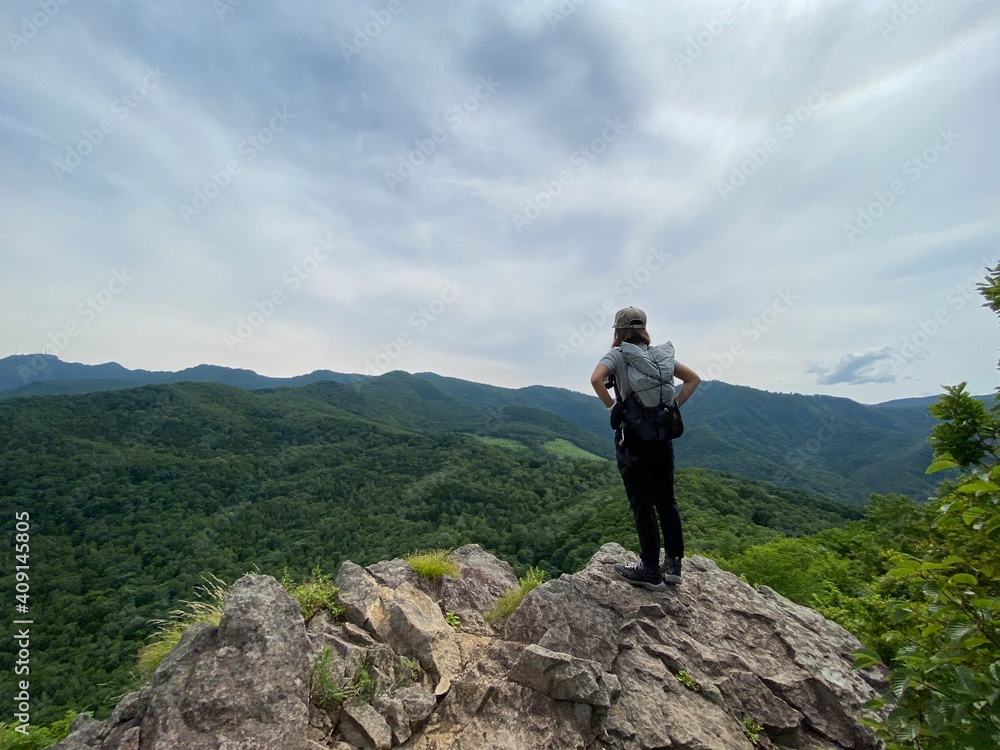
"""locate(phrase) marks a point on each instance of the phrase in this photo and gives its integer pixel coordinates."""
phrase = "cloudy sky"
(801, 195)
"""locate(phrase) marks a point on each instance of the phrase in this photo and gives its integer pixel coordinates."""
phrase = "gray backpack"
(649, 409)
(650, 373)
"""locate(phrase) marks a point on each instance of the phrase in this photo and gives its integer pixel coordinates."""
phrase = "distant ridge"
(826, 445)
(46, 374)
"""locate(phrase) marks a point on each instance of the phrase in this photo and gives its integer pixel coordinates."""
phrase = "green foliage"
(135, 494)
(328, 691)
(968, 431)
(990, 289)
(407, 672)
(314, 594)
(36, 737)
(363, 685)
(945, 679)
(207, 609)
(510, 600)
(432, 565)
(752, 730)
(688, 681)
(944, 689)
(799, 569)
(566, 449)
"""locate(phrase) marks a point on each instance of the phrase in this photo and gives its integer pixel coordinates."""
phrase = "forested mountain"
(831, 446)
(46, 375)
(135, 494)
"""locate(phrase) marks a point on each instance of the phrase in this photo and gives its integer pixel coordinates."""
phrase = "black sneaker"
(639, 575)
(671, 570)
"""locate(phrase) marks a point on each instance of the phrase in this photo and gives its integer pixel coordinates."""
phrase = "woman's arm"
(690, 379)
(597, 380)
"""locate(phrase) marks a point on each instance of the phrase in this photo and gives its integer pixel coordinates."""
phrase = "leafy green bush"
(207, 609)
(36, 738)
(945, 680)
(432, 565)
(314, 594)
(944, 689)
(511, 599)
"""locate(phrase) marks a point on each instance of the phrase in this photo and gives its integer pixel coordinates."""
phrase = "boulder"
(242, 684)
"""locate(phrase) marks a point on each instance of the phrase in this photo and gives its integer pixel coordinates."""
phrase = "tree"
(944, 689)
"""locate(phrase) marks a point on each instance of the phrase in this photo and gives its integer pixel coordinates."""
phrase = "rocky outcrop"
(586, 661)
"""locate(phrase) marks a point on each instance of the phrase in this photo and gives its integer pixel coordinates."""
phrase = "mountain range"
(821, 444)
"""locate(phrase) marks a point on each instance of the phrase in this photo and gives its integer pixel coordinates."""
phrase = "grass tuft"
(432, 565)
(314, 594)
(510, 600)
(207, 608)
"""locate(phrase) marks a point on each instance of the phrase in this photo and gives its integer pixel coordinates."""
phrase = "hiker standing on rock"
(647, 467)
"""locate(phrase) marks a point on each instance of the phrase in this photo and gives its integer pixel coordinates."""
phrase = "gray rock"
(586, 661)
(565, 677)
(361, 597)
(418, 704)
(394, 712)
(362, 726)
(481, 580)
(242, 684)
(417, 628)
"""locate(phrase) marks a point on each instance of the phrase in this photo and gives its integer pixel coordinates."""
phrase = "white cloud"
(688, 127)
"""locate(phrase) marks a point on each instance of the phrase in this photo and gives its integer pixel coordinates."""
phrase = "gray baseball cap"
(630, 317)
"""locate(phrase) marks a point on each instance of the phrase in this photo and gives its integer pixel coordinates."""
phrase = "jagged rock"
(586, 661)
(417, 628)
(418, 704)
(565, 677)
(363, 726)
(482, 579)
(242, 684)
(794, 666)
(361, 597)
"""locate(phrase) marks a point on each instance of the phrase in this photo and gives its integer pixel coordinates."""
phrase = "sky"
(802, 196)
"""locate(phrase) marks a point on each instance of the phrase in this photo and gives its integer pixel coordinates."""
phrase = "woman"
(647, 469)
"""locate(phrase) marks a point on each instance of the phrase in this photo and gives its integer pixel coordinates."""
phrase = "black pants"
(647, 470)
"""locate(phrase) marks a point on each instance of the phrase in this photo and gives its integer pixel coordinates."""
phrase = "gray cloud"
(856, 369)
(740, 107)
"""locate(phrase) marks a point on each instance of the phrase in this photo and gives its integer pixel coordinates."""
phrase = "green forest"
(136, 496)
